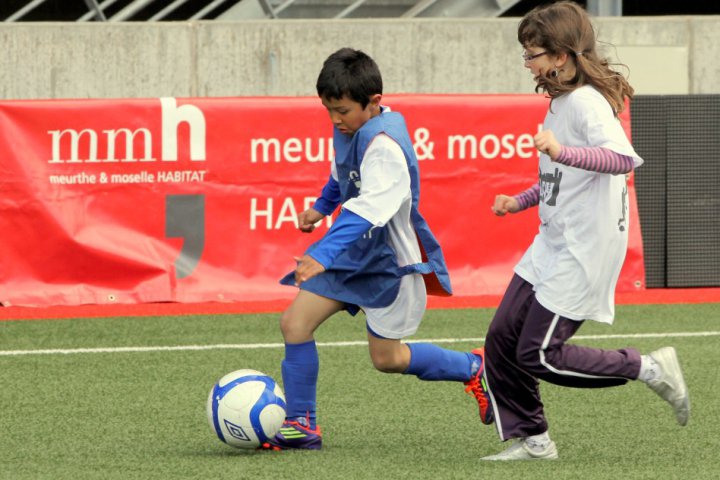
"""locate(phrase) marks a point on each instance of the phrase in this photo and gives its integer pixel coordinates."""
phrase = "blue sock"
(300, 373)
(430, 362)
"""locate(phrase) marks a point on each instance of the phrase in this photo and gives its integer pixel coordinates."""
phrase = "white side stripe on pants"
(544, 363)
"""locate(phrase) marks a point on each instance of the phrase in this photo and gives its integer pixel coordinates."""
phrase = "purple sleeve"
(528, 198)
(329, 198)
(596, 159)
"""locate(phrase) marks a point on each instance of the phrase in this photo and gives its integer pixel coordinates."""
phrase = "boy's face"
(348, 116)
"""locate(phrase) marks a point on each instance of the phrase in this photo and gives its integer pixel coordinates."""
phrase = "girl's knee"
(500, 332)
(494, 330)
(530, 359)
(527, 359)
(500, 340)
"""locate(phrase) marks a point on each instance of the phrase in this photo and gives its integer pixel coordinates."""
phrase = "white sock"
(538, 443)
(649, 369)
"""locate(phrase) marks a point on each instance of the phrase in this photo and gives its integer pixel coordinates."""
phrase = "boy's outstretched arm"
(308, 219)
(385, 184)
(329, 197)
(345, 230)
(325, 205)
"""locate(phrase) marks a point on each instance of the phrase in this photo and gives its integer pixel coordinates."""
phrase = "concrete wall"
(666, 55)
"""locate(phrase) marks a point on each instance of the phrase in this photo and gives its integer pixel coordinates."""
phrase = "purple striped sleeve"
(596, 159)
(528, 198)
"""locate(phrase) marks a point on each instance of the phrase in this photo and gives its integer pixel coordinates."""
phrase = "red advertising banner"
(195, 200)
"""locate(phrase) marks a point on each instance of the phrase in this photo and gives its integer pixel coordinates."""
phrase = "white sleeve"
(333, 170)
(601, 127)
(385, 182)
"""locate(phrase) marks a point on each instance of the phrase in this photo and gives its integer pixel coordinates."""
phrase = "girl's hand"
(505, 204)
(546, 142)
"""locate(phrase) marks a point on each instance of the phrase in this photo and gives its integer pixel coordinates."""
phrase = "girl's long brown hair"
(565, 27)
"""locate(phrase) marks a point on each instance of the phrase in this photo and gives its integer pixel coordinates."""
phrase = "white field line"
(253, 346)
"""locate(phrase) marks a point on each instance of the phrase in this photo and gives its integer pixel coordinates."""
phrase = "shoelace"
(294, 423)
(475, 388)
(290, 423)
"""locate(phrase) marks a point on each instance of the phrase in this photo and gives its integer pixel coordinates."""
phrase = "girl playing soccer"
(569, 272)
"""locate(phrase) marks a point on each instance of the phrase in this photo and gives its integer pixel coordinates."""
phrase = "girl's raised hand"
(546, 142)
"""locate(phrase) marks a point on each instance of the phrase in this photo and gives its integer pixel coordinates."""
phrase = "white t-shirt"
(386, 199)
(575, 259)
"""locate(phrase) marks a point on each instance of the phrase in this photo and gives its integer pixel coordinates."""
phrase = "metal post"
(94, 7)
(167, 10)
(130, 10)
(21, 13)
(282, 7)
(268, 8)
(418, 8)
(89, 15)
(350, 9)
(605, 8)
(207, 9)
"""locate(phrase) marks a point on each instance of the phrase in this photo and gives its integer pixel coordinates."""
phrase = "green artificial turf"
(141, 414)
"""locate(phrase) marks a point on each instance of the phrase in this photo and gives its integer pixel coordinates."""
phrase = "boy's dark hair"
(349, 73)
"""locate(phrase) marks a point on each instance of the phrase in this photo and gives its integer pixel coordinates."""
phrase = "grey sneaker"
(520, 451)
(671, 385)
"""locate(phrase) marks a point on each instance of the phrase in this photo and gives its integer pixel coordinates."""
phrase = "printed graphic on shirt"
(623, 220)
(369, 233)
(550, 187)
(354, 177)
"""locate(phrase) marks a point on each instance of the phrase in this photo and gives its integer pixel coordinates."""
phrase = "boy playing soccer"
(378, 256)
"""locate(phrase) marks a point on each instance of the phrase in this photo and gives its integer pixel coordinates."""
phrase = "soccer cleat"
(520, 450)
(671, 385)
(477, 387)
(294, 435)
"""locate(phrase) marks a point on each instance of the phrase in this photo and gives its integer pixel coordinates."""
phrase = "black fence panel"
(678, 188)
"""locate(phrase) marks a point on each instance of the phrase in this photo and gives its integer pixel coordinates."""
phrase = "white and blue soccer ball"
(245, 408)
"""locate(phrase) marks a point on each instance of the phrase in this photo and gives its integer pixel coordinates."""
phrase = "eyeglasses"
(528, 58)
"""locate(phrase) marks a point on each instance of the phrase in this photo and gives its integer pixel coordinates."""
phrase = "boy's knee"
(387, 362)
(285, 322)
(292, 328)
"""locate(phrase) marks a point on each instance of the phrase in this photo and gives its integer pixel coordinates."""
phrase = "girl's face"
(538, 61)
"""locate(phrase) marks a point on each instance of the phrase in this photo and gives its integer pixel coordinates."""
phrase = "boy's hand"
(504, 204)
(307, 268)
(308, 219)
(546, 142)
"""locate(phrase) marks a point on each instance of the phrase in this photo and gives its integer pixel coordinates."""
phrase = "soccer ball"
(245, 408)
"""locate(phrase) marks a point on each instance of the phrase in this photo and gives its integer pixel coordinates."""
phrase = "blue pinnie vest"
(367, 272)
